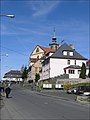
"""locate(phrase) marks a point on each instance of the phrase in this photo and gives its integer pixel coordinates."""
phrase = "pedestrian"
(7, 91)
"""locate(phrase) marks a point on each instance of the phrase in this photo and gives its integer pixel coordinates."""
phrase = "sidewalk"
(1, 103)
(4, 113)
(9, 112)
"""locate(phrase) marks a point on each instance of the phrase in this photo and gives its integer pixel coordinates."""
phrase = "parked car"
(82, 89)
(87, 91)
(72, 91)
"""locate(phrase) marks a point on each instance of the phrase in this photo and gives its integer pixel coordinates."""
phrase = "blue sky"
(33, 24)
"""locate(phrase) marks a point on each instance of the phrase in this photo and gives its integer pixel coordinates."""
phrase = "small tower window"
(38, 57)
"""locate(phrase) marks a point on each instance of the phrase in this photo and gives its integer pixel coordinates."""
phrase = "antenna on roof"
(62, 41)
(54, 32)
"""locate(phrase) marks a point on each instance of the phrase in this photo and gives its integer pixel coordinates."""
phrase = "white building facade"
(64, 57)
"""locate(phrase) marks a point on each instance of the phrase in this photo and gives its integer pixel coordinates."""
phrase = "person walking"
(7, 91)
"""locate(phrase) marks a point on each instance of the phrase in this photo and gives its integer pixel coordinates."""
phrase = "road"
(60, 93)
(26, 104)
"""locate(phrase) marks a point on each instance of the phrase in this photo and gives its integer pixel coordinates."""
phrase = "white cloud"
(42, 7)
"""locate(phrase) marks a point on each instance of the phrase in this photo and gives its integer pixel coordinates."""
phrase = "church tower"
(54, 46)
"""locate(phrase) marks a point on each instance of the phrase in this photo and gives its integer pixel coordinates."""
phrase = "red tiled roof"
(46, 50)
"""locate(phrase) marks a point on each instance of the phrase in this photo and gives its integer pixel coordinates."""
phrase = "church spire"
(54, 33)
(54, 44)
(54, 39)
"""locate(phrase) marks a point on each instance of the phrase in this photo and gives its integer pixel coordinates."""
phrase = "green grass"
(81, 84)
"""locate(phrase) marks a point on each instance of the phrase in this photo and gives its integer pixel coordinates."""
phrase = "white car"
(86, 93)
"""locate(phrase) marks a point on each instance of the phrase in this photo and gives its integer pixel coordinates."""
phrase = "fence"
(50, 86)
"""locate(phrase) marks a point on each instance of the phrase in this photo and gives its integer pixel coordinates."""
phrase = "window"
(68, 62)
(55, 47)
(37, 50)
(71, 71)
(38, 57)
(64, 52)
(75, 62)
(51, 47)
(65, 71)
(71, 53)
(79, 71)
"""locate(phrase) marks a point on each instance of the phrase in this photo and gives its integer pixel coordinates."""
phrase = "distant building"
(13, 75)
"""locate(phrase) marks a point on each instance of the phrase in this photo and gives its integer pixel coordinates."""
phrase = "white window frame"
(71, 71)
(71, 53)
(75, 62)
(65, 53)
(68, 62)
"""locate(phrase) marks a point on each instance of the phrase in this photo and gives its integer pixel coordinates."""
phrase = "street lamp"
(5, 55)
(7, 15)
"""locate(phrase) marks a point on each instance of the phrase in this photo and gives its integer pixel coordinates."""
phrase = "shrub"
(67, 85)
(83, 71)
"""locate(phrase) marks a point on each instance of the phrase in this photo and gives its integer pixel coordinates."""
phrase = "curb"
(62, 98)
(83, 99)
(65, 99)
(1, 103)
(57, 97)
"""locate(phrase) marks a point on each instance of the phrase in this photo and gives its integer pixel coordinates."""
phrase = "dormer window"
(71, 53)
(64, 52)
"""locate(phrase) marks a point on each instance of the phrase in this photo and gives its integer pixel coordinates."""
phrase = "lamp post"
(5, 55)
(0, 62)
(7, 15)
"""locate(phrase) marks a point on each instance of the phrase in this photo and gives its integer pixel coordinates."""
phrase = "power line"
(18, 38)
(14, 51)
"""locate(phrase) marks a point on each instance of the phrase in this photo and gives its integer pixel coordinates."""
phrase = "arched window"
(37, 50)
(38, 57)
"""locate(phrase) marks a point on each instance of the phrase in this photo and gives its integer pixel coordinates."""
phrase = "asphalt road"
(60, 93)
(26, 104)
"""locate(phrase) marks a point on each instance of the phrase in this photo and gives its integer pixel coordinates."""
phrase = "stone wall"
(73, 80)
